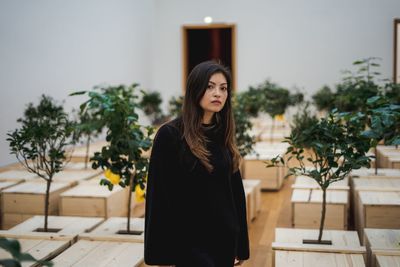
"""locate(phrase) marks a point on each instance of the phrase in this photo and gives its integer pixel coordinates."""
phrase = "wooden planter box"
(378, 210)
(3, 186)
(307, 206)
(14, 200)
(254, 188)
(78, 154)
(343, 242)
(71, 226)
(317, 259)
(93, 200)
(384, 243)
(43, 246)
(370, 184)
(384, 153)
(394, 162)
(271, 178)
(101, 253)
(17, 176)
(304, 182)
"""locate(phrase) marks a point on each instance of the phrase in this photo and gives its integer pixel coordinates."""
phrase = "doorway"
(209, 42)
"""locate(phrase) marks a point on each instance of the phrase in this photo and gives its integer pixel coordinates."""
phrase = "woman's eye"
(209, 86)
(224, 88)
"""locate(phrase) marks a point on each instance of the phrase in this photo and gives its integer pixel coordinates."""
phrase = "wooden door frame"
(210, 26)
(396, 50)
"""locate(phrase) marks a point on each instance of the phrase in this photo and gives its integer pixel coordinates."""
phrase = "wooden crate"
(78, 154)
(307, 206)
(344, 242)
(385, 152)
(378, 210)
(305, 182)
(254, 186)
(108, 230)
(101, 253)
(17, 176)
(317, 259)
(370, 184)
(3, 186)
(68, 225)
(271, 178)
(43, 246)
(394, 162)
(93, 200)
(381, 242)
(14, 201)
(250, 204)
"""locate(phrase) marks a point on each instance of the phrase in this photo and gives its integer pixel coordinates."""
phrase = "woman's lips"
(216, 102)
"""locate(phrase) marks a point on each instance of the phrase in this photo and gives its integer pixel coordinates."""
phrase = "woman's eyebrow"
(215, 83)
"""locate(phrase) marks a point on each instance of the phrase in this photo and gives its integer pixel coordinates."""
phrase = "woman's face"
(215, 96)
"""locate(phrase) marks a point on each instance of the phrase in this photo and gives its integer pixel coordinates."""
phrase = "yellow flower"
(112, 177)
(139, 194)
(280, 117)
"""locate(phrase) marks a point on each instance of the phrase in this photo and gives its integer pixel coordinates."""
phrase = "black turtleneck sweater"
(193, 217)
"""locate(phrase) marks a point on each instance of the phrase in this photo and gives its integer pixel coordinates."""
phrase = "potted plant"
(276, 100)
(324, 99)
(175, 106)
(244, 141)
(150, 104)
(40, 143)
(122, 158)
(336, 147)
(88, 126)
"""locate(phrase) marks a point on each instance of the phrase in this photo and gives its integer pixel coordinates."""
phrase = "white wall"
(304, 43)
(57, 47)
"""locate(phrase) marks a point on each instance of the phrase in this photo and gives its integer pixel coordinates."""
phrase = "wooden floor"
(275, 212)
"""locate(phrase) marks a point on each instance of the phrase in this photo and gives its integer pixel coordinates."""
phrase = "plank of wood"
(17, 175)
(314, 259)
(388, 261)
(69, 225)
(101, 253)
(304, 182)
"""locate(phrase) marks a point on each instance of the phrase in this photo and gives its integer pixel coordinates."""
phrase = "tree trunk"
(272, 130)
(321, 227)
(128, 228)
(87, 152)
(46, 203)
(376, 160)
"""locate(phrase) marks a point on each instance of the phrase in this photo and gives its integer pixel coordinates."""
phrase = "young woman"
(195, 202)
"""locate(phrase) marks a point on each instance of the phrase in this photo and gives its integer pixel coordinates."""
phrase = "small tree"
(88, 126)
(244, 141)
(122, 159)
(337, 147)
(150, 104)
(383, 119)
(40, 143)
(175, 106)
(324, 99)
(277, 100)
(352, 94)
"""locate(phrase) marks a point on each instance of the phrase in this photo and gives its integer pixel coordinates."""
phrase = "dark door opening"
(208, 42)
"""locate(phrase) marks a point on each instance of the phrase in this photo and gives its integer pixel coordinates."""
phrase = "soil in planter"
(315, 242)
(49, 230)
(131, 232)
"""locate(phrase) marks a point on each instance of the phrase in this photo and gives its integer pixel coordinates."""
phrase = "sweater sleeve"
(243, 251)
(159, 246)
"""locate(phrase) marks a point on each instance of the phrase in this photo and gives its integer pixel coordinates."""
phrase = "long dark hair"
(192, 114)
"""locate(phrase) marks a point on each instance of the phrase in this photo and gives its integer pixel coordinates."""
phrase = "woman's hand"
(238, 262)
